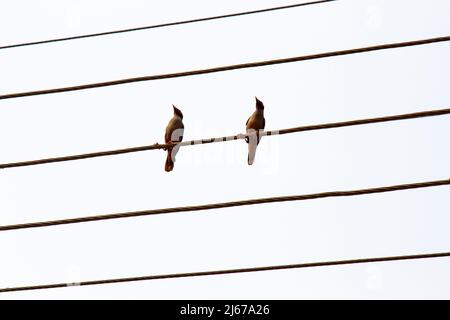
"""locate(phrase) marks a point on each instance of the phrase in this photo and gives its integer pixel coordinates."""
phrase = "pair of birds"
(175, 130)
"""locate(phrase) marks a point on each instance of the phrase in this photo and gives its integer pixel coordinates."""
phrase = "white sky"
(334, 89)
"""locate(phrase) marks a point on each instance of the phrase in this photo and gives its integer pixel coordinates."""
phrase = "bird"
(174, 134)
(254, 124)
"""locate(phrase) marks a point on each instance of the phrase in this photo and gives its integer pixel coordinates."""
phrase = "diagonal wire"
(226, 68)
(168, 24)
(230, 271)
(303, 197)
(156, 146)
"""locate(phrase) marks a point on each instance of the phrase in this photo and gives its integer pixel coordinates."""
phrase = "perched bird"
(174, 133)
(255, 123)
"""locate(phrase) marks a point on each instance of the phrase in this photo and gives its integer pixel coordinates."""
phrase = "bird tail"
(251, 153)
(169, 162)
(253, 141)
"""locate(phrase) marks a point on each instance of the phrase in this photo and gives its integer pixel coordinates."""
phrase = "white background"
(333, 89)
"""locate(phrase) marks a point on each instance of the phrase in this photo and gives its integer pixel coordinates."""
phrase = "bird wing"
(168, 134)
(174, 131)
(179, 131)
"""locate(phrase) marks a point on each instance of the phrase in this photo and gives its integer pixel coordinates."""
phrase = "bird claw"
(164, 148)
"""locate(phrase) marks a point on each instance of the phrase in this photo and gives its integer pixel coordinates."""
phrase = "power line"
(168, 24)
(227, 205)
(156, 146)
(226, 68)
(230, 271)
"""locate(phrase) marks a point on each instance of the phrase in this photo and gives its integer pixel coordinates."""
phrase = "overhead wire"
(221, 205)
(156, 146)
(226, 68)
(229, 271)
(162, 25)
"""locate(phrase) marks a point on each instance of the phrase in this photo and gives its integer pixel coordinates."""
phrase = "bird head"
(259, 104)
(177, 112)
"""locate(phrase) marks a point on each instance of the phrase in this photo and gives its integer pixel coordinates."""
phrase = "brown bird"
(255, 123)
(174, 133)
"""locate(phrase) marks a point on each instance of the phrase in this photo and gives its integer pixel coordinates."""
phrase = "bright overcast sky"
(333, 89)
